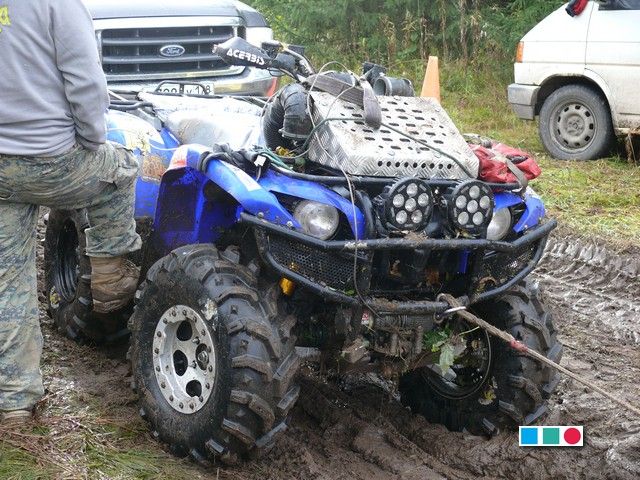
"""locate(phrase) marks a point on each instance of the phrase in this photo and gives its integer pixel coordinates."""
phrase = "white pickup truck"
(581, 76)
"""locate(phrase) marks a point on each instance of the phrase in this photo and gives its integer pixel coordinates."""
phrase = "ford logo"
(172, 50)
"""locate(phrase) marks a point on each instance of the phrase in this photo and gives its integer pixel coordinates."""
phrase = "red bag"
(493, 162)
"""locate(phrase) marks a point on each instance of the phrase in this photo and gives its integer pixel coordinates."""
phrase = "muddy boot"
(113, 283)
(15, 418)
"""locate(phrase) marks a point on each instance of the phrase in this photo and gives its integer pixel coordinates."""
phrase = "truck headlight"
(500, 224)
(317, 219)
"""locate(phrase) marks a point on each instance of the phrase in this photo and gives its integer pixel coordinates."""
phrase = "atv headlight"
(409, 204)
(471, 207)
(500, 224)
(317, 219)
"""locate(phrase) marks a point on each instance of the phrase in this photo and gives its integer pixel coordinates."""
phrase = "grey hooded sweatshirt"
(52, 88)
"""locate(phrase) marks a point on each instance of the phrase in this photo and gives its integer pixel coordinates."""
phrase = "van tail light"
(520, 52)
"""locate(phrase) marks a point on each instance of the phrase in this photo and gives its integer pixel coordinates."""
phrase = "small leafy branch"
(448, 344)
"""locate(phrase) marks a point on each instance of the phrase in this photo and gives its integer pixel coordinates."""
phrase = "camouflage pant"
(103, 182)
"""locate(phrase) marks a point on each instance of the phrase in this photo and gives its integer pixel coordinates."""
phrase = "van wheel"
(575, 124)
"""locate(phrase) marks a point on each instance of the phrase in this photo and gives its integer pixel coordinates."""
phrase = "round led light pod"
(409, 205)
(471, 207)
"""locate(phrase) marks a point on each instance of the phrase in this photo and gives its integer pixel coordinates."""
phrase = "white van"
(581, 76)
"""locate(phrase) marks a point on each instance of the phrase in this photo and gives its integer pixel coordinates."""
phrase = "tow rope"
(458, 309)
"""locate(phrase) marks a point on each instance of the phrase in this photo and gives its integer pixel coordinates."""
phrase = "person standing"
(53, 152)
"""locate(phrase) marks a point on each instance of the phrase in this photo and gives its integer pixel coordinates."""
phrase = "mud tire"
(521, 385)
(255, 385)
(69, 301)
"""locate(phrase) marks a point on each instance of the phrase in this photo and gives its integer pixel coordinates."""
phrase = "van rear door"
(613, 53)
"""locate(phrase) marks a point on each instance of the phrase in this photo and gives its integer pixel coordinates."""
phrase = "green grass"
(92, 446)
(17, 464)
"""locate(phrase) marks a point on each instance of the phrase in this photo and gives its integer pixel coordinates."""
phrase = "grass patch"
(91, 447)
(598, 198)
(17, 464)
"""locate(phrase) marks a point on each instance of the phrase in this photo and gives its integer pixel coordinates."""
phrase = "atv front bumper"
(318, 265)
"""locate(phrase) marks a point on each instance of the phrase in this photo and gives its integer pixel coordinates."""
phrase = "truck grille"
(135, 52)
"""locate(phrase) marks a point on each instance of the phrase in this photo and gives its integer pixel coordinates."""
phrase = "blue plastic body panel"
(184, 215)
(251, 196)
(534, 209)
(534, 212)
(152, 149)
(506, 200)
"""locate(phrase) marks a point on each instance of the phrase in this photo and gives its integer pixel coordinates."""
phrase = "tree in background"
(390, 31)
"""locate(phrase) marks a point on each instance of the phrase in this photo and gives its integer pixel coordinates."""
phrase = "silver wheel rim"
(184, 359)
(574, 126)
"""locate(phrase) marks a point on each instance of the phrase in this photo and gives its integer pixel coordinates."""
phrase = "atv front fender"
(187, 214)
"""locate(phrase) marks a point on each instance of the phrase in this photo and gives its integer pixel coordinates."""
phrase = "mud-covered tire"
(517, 387)
(575, 124)
(67, 284)
(256, 364)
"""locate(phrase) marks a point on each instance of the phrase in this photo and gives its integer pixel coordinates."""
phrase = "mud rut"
(355, 428)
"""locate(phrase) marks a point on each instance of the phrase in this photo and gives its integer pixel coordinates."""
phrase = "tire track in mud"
(596, 282)
(357, 430)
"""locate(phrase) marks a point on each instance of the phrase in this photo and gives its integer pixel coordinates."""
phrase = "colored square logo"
(528, 436)
(551, 436)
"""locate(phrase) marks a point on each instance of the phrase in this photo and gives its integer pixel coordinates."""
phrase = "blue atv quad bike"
(341, 211)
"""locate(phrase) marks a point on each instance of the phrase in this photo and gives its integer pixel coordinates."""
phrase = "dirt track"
(356, 429)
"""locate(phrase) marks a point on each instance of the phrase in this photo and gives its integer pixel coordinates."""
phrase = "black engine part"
(391, 86)
(286, 120)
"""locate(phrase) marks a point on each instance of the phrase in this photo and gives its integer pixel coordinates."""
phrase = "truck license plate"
(201, 88)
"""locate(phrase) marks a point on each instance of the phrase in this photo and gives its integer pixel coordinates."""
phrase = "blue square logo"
(528, 436)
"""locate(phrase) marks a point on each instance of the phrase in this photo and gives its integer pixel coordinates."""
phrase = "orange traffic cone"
(431, 84)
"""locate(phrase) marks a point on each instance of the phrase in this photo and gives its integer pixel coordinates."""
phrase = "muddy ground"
(354, 429)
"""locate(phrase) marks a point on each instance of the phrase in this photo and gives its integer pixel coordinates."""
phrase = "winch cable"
(458, 309)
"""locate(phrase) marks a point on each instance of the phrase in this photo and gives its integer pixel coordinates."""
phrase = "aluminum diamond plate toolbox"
(357, 149)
